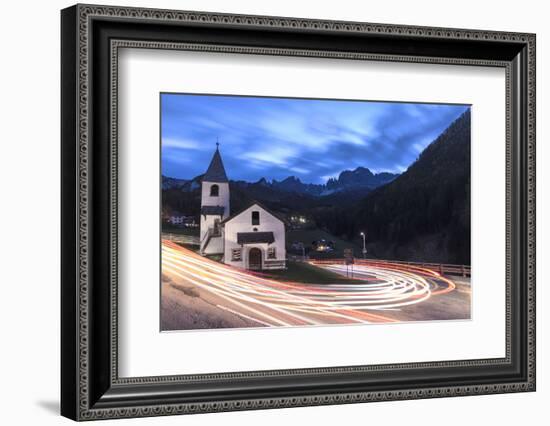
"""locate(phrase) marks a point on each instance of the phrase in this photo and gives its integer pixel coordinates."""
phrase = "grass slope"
(306, 273)
(178, 230)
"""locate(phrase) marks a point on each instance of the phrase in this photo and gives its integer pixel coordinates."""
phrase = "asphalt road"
(384, 294)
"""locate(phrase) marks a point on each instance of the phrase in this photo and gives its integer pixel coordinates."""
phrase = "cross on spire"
(217, 143)
(216, 171)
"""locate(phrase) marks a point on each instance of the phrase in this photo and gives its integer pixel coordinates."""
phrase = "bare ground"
(186, 307)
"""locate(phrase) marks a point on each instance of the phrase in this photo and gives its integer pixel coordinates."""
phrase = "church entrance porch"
(255, 259)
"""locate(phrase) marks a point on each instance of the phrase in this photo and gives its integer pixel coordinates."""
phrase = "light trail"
(268, 302)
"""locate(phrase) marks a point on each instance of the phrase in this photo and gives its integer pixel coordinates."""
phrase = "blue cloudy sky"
(280, 137)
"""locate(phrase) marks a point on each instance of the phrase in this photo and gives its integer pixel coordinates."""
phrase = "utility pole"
(364, 246)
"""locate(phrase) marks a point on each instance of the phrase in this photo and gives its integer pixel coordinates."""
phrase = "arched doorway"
(255, 258)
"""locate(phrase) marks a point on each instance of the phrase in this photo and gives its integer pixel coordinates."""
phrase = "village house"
(253, 238)
(179, 219)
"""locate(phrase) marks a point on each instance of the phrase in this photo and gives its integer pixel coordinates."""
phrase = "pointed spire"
(216, 171)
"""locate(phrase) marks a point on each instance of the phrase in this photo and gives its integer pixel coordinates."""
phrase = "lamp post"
(364, 245)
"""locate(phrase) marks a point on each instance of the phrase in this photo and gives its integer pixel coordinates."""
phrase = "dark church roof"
(216, 171)
(212, 210)
(255, 237)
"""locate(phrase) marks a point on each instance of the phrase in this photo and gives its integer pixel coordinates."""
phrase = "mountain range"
(359, 179)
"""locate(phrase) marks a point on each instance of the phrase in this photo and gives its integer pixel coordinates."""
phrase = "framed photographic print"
(263, 212)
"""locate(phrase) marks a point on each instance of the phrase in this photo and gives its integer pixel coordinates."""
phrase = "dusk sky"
(280, 137)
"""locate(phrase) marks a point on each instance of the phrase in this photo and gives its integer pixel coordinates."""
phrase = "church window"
(216, 231)
(214, 191)
(255, 218)
(271, 253)
(236, 255)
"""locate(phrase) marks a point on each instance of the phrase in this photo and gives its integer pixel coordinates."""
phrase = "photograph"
(285, 212)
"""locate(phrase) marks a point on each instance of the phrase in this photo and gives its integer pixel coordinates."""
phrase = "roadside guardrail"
(442, 268)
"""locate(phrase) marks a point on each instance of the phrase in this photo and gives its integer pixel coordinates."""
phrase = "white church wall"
(243, 223)
(215, 245)
(221, 200)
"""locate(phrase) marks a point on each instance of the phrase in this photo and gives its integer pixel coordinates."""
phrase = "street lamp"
(364, 246)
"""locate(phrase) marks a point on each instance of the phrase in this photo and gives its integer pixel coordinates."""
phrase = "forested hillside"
(424, 214)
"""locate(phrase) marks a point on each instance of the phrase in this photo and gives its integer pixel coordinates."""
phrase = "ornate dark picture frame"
(91, 37)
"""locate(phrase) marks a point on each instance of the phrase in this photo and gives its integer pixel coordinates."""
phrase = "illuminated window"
(271, 253)
(236, 255)
(214, 190)
(255, 218)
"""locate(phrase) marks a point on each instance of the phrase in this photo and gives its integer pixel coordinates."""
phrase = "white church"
(253, 238)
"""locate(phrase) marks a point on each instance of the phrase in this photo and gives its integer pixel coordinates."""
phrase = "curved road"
(381, 290)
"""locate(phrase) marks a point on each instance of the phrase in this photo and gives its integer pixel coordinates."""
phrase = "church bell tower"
(214, 205)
